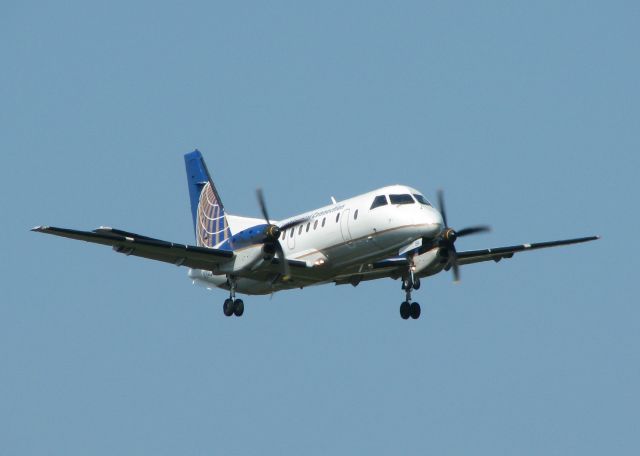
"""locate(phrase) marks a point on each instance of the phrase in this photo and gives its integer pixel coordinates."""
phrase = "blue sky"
(525, 113)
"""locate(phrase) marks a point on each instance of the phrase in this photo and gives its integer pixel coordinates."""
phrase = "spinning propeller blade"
(285, 264)
(473, 230)
(449, 237)
(263, 206)
(275, 232)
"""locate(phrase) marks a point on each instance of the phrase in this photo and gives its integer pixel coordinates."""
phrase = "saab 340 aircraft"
(392, 232)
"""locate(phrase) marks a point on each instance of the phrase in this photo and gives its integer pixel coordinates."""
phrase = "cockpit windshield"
(421, 199)
(378, 201)
(401, 199)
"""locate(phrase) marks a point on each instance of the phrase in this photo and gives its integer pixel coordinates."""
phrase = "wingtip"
(39, 228)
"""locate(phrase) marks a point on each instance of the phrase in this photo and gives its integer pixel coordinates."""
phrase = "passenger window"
(380, 200)
(324, 220)
(308, 225)
(284, 234)
(355, 215)
(315, 224)
(337, 218)
(401, 199)
(421, 199)
(300, 230)
(291, 232)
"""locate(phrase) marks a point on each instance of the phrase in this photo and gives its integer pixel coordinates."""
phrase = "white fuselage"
(342, 238)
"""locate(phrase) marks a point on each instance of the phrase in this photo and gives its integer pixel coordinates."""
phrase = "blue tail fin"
(209, 220)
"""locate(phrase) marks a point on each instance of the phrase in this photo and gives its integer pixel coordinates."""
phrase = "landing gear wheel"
(405, 310)
(407, 284)
(416, 284)
(238, 307)
(414, 310)
(228, 307)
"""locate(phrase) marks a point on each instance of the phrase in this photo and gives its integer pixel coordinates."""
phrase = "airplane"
(391, 232)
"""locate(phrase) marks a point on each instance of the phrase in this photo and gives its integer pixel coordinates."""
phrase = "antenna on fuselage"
(333, 200)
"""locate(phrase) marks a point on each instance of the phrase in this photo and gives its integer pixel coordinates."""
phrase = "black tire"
(415, 310)
(416, 284)
(405, 310)
(238, 308)
(228, 307)
(407, 284)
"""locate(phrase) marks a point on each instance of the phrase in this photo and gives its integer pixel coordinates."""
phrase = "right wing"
(146, 247)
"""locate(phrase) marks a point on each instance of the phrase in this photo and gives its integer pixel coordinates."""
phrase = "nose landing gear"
(408, 308)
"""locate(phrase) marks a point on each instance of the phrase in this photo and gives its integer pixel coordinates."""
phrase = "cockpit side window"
(421, 199)
(380, 200)
(401, 199)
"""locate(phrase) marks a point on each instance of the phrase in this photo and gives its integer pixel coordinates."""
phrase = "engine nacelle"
(257, 234)
(243, 259)
(427, 263)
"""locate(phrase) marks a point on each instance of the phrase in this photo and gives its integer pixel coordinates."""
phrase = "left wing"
(146, 247)
(393, 267)
(497, 254)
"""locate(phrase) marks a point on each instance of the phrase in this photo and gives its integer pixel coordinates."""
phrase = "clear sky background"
(526, 113)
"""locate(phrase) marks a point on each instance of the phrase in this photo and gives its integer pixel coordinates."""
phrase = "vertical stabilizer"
(209, 220)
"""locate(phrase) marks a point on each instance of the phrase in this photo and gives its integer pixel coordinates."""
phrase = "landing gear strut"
(232, 306)
(408, 308)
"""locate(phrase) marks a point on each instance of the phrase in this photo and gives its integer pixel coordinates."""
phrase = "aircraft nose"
(439, 219)
(436, 218)
(432, 222)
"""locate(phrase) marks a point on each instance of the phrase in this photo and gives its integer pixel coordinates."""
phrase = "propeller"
(273, 236)
(449, 237)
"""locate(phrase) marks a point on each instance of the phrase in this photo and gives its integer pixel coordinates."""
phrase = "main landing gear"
(408, 308)
(233, 306)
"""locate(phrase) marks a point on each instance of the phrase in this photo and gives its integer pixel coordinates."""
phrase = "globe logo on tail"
(212, 227)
